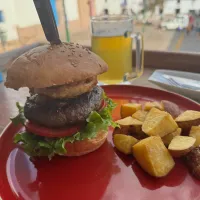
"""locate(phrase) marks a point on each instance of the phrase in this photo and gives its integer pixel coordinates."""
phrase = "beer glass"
(112, 38)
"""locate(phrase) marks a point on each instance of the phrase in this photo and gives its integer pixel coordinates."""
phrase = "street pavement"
(185, 43)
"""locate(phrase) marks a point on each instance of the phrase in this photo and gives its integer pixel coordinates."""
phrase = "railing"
(153, 59)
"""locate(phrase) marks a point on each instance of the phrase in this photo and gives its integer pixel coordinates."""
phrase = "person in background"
(106, 12)
(190, 24)
(124, 7)
(197, 24)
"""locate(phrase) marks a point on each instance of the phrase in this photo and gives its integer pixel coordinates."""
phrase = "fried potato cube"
(124, 143)
(153, 156)
(181, 145)
(140, 115)
(188, 119)
(129, 108)
(158, 123)
(171, 108)
(168, 138)
(128, 121)
(131, 126)
(195, 133)
(149, 105)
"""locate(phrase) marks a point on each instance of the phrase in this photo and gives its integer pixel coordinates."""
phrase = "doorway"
(177, 11)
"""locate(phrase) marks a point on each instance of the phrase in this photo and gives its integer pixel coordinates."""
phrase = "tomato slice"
(56, 132)
(52, 132)
(103, 105)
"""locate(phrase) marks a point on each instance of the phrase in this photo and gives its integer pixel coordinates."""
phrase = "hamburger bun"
(86, 146)
(53, 65)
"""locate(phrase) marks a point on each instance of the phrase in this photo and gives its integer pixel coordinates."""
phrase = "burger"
(67, 113)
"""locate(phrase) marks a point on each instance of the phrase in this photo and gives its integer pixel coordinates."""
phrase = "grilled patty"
(58, 113)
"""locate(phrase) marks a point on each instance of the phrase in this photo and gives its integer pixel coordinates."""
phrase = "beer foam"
(107, 26)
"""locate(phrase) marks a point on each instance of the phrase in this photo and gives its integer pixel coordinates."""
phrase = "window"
(192, 12)
(163, 23)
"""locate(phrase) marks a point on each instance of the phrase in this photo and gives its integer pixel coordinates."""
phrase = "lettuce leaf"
(35, 145)
(20, 118)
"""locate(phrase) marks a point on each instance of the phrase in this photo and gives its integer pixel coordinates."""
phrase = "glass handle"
(139, 53)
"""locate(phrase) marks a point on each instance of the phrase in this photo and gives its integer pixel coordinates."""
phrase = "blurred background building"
(181, 6)
(20, 25)
(20, 21)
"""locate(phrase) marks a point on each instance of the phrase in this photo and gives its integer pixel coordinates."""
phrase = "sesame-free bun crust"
(51, 65)
(86, 146)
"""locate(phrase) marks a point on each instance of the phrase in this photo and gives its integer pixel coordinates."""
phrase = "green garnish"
(35, 145)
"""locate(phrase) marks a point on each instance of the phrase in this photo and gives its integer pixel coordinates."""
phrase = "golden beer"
(112, 41)
(117, 52)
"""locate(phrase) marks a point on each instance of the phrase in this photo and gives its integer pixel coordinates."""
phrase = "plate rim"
(158, 90)
(128, 86)
(9, 125)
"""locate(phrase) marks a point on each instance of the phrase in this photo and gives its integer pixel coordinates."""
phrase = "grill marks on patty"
(57, 113)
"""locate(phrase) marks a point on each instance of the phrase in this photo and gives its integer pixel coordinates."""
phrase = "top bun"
(51, 65)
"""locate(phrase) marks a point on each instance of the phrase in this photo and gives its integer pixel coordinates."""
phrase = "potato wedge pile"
(155, 133)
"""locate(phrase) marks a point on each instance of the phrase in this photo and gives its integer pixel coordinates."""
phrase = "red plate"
(103, 174)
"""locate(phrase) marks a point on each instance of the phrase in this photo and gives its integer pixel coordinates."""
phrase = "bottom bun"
(86, 146)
